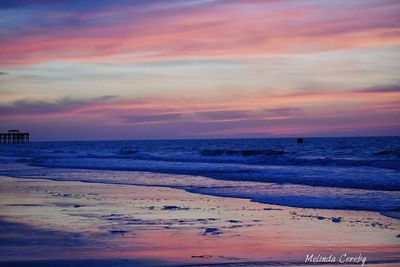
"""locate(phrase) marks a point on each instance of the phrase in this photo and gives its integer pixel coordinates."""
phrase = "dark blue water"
(371, 164)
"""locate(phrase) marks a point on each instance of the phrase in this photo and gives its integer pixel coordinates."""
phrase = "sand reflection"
(50, 220)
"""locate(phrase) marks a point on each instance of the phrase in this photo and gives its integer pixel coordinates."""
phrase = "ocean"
(360, 173)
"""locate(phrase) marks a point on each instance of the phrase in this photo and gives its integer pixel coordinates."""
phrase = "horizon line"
(215, 138)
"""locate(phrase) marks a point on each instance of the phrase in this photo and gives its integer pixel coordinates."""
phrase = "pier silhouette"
(14, 137)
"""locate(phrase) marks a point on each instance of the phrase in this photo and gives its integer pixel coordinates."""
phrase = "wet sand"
(68, 223)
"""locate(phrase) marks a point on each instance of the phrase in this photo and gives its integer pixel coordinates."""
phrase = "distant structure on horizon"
(14, 137)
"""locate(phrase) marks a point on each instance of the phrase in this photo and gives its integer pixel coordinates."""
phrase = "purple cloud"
(381, 89)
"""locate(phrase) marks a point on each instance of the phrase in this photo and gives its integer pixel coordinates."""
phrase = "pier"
(14, 137)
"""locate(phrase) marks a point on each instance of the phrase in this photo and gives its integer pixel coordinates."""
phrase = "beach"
(241, 133)
(74, 223)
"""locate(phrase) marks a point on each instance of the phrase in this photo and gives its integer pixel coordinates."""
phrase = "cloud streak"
(196, 118)
(26, 107)
(382, 89)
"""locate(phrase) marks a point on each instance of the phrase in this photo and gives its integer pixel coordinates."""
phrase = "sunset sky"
(81, 70)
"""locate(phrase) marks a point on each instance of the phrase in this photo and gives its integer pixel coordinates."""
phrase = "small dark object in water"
(174, 208)
(170, 207)
(336, 220)
(300, 140)
(118, 232)
(233, 221)
(212, 231)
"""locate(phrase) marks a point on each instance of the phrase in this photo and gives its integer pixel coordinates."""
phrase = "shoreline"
(156, 223)
(317, 197)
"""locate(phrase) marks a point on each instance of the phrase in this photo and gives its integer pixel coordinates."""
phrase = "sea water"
(360, 173)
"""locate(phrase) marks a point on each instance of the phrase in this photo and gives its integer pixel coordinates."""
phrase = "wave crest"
(244, 152)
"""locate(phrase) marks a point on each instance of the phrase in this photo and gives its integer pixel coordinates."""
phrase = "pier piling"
(14, 137)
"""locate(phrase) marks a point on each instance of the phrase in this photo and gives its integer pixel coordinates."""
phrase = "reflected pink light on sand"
(131, 222)
(256, 244)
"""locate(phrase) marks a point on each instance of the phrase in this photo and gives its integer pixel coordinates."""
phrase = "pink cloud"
(218, 31)
(313, 113)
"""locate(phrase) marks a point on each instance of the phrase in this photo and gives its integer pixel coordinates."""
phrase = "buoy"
(300, 140)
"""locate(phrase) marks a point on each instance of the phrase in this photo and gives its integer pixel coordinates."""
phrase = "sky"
(118, 70)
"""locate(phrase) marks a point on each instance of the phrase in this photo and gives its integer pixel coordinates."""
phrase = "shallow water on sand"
(153, 226)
